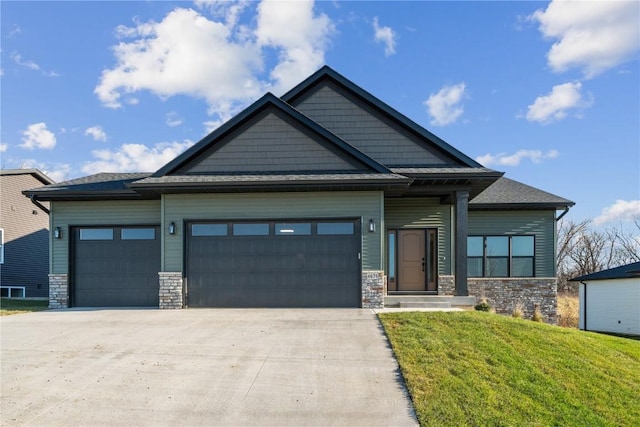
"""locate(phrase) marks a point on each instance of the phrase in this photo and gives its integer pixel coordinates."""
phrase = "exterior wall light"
(172, 227)
(57, 232)
(372, 226)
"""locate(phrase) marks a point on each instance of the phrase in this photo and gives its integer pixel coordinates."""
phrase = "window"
(96, 234)
(335, 228)
(293, 229)
(209, 229)
(251, 229)
(138, 234)
(500, 256)
(1, 245)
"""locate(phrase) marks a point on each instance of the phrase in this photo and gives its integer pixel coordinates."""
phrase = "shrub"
(518, 310)
(483, 305)
(537, 315)
(568, 308)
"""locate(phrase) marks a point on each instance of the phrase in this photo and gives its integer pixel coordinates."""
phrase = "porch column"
(461, 209)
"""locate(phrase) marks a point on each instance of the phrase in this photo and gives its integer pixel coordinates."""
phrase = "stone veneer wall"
(170, 289)
(373, 289)
(58, 291)
(505, 294)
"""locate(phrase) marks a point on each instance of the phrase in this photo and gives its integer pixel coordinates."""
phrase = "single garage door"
(115, 266)
(273, 264)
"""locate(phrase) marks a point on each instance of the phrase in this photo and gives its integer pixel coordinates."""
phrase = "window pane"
(475, 245)
(497, 267)
(497, 246)
(522, 246)
(250, 229)
(474, 267)
(96, 234)
(138, 234)
(391, 248)
(335, 228)
(522, 267)
(293, 229)
(208, 229)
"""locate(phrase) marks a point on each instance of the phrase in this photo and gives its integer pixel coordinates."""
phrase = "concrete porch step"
(428, 301)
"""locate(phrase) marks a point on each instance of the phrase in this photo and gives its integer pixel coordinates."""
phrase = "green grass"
(16, 306)
(481, 369)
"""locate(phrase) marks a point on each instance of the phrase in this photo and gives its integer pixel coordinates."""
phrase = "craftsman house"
(324, 197)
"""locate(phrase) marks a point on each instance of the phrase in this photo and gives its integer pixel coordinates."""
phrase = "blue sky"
(547, 92)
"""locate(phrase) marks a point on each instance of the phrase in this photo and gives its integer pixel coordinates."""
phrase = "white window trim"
(1, 245)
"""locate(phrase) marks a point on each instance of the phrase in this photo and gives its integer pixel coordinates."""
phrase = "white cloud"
(97, 133)
(593, 36)
(56, 171)
(3, 147)
(38, 136)
(503, 159)
(445, 106)
(211, 125)
(218, 61)
(385, 35)
(621, 210)
(17, 58)
(555, 105)
(173, 120)
(184, 54)
(135, 157)
(300, 36)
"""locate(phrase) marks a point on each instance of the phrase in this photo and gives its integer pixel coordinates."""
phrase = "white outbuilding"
(610, 300)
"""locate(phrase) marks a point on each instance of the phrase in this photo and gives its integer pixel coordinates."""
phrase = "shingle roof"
(112, 184)
(37, 173)
(506, 192)
(628, 271)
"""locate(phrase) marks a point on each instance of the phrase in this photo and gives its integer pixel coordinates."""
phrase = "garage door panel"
(116, 272)
(307, 270)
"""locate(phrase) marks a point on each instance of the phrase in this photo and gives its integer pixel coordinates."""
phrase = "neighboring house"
(610, 300)
(24, 235)
(325, 197)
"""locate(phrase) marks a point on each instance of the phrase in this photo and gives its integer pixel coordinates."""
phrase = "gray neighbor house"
(324, 197)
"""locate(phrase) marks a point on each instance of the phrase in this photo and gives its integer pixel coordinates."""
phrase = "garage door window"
(335, 228)
(293, 229)
(209, 230)
(251, 229)
(138, 234)
(96, 234)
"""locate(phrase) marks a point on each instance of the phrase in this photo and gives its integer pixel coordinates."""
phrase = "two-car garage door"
(273, 264)
(313, 263)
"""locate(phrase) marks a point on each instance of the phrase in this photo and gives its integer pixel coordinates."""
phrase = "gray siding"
(540, 224)
(365, 131)
(423, 213)
(114, 212)
(269, 145)
(26, 248)
(180, 207)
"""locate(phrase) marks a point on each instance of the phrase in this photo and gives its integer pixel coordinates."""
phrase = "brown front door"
(411, 260)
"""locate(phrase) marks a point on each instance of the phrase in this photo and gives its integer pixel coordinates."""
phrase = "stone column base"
(58, 291)
(373, 289)
(170, 289)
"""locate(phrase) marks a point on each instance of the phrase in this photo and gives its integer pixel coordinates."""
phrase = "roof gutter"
(34, 200)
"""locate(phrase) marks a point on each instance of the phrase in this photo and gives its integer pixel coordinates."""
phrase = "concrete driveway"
(200, 367)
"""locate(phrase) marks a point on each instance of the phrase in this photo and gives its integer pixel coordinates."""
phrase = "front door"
(411, 257)
(417, 254)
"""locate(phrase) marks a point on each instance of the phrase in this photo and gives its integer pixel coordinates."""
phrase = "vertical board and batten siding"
(423, 213)
(26, 237)
(611, 306)
(540, 224)
(272, 206)
(366, 131)
(113, 212)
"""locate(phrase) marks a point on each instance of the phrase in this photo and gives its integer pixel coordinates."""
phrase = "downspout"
(566, 211)
(585, 306)
(34, 200)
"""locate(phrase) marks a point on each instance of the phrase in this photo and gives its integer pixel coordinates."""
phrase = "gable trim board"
(326, 151)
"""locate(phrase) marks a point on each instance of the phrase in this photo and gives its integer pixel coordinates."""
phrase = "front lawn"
(474, 368)
(16, 306)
